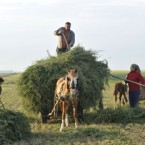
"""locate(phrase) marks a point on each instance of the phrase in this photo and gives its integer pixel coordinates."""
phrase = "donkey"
(66, 94)
(120, 89)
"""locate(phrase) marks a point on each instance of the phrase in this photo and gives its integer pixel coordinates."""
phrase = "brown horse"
(120, 89)
(66, 94)
(1, 81)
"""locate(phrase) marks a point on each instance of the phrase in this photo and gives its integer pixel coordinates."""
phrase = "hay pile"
(120, 115)
(37, 83)
(13, 126)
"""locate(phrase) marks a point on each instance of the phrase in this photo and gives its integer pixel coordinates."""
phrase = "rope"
(116, 77)
(53, 108)
(128, 80)
(66, 42)
(2, 103)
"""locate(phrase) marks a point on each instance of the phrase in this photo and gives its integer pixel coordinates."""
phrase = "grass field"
(90, 132)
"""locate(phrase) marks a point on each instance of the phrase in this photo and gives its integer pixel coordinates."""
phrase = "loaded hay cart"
(37, 83)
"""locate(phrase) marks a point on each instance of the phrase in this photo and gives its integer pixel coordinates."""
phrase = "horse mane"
(61, 85)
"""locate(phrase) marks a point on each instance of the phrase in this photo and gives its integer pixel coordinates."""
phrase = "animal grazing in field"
(1, 81)
(66, 94)
(121, 90)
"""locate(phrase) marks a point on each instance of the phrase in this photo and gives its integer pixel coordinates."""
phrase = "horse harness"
(66, 97)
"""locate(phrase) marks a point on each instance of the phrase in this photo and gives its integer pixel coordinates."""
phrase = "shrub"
(13, 126)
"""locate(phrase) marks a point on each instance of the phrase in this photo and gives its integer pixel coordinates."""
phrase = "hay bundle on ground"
(37, 83)
(13, 126)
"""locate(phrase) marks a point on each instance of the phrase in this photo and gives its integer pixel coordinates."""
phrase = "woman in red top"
(134, 89)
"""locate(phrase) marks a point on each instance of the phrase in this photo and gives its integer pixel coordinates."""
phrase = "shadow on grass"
(95, 134)
(109, 115)
(82, 135)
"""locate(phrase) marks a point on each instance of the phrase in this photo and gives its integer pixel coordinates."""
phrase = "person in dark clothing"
(66, 38)
(1, 81)
(134, 89)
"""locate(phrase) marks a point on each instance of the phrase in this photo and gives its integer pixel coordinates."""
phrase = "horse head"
(72, 78)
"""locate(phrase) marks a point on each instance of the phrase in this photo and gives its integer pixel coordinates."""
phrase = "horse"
(120, 89)
(66, 94)
(1, 81)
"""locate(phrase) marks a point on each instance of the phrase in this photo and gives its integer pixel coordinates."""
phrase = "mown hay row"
(13, 126)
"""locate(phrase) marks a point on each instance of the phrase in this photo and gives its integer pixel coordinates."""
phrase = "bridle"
(72, 86)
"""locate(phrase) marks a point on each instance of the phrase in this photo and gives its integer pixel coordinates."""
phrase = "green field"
(91, 131)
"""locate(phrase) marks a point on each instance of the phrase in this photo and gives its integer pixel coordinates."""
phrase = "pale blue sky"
(117, 27)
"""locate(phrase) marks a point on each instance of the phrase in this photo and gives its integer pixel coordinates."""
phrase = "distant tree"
(37, 83)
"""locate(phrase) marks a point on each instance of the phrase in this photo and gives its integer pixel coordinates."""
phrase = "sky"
(115, 28)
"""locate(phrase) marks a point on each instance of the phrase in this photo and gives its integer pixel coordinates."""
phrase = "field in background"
(89, 132)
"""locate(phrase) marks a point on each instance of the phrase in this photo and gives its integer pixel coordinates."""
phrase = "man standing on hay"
(66, 38)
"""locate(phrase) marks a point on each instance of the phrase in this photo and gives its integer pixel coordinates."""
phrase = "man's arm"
(59, 31)
(72, 39)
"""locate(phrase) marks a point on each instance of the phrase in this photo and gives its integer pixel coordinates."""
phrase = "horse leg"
(122, 99)
(120, 96)
(115, 101)
(75, 103)
(66, 114)
(125, 98)
(63, 115)
(56, 109)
